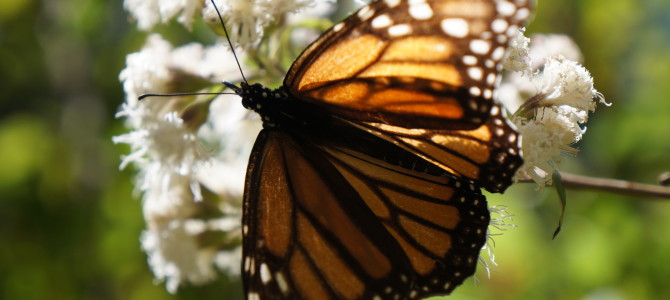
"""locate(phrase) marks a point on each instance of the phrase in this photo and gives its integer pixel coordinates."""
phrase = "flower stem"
(616, 186)
(526, 109)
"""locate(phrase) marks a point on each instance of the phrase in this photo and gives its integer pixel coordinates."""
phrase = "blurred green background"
(69, 224)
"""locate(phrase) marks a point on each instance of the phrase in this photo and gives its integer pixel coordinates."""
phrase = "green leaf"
(560, 189)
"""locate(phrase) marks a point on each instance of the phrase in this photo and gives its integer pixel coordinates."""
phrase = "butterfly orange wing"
(367, 186)
(431, 63)
(323, 221)
(488, 155)
(440, 222)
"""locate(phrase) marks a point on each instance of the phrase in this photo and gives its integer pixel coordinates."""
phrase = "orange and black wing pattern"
(420, 63)
(488, 155)
(326, 222)
(365, 182)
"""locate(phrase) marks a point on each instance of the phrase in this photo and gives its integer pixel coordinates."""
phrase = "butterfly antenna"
(180, 94)
(228, 39)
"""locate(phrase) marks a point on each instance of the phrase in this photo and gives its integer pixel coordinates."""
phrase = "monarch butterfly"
(365, 181)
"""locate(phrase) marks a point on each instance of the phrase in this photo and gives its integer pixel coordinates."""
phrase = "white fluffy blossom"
(214, 63)
(517, 58)
(159, 67)
(147, 70)
(176, 254)
(167, 152)
(545, 46)
(231, 130)
(193, 167)
(546, 137)
(566, 82)
(247, 19)
(168, 155)
(176, 257)
(560, 95)
(172, 161)
(148, 13)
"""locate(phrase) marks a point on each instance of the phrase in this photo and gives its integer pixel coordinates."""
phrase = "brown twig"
(617, 186)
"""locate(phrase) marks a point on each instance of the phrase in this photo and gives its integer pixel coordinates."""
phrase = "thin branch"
(616, 186)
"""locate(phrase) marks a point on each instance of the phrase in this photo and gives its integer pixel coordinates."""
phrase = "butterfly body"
(280, 112)
(365, 181)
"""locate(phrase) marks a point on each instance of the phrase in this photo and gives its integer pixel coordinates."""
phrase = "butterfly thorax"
(278, 109)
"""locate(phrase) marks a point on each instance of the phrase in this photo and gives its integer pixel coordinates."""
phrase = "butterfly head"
(260, 99)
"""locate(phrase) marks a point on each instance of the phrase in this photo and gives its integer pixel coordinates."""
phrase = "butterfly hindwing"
(439, 221)
(489, 155)
(307, 232)
(426, 63)
(323, 221)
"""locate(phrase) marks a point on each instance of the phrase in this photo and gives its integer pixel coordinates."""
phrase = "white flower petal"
(565, 82)
(147, 70)
(545, 46)
(176, 257)
(518, 57)
(246, 19)
(546, 137)
(148, 13)
(232, 130)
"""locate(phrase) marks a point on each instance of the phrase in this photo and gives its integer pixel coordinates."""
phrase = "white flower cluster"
(191, 154)
(159, 67)
(148, 13)
(173, 163)
(560, 95)
(168, 154)
(246, 18)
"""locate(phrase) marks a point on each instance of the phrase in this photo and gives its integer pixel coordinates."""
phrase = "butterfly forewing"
(411, 63)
